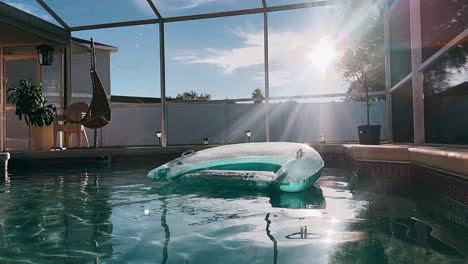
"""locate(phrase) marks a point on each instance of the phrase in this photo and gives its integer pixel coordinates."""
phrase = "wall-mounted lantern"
(248, 133)
(45, 54)
(159, 134)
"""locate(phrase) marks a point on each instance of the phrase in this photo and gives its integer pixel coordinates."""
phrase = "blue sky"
(222, 56)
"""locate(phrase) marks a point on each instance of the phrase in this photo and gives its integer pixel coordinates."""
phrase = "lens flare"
(323, 55)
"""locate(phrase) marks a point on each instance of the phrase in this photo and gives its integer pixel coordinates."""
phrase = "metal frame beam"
(162, 69)
(155, 10)
(215, 15)
(256, 10)
(417, 80)
(116, 24)
(307, 5)
(455, 41)
(53, 14)
(2, 103)
(210, 15)
(401, 83)
(388, 80)
(267, 72)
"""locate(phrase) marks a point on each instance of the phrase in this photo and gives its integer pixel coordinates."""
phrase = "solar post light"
(206, 141)
(45, 54)
(323, 138)
(248, 133)
(159, 134)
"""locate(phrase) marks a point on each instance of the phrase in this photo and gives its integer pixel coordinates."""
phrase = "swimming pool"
(118, 215)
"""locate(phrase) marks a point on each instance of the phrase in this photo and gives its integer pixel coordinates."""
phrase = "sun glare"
(323, 55)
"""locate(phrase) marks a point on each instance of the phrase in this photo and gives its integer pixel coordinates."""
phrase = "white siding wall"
(132, 126)
(227, 123)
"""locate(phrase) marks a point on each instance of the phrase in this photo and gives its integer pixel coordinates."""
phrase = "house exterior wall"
(17, 133)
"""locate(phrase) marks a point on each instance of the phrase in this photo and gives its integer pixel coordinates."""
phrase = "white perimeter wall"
(227, 123)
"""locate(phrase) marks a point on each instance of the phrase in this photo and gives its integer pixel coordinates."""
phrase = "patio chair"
(69, 129)
(98, 114)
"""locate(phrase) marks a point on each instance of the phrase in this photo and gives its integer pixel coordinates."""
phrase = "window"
(288, 2)
(171, 8)
(446, 97)
(127, 61)
(402, 114)
(400, 42)
(305, 47)
(441, 21)
(90, 12)
(221, 57)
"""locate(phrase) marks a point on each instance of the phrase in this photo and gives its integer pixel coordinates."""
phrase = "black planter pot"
(369, 134)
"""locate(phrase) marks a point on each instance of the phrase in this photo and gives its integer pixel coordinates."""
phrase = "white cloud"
(180, 4)
(188, 4)
(289, 47)
(228, 60)
(31, 10)
(143, 6)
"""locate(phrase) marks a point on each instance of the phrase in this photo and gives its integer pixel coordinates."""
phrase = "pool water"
(118, 215)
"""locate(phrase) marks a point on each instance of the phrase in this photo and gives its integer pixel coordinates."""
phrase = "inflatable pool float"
(289, 167)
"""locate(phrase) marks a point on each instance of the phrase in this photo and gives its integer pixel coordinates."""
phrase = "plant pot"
(369, 134)
(42, 138)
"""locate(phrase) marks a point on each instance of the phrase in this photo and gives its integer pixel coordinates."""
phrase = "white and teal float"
(289, 167)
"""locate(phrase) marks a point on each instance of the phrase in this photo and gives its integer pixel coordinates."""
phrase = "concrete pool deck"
(447, 159)
(450, 160)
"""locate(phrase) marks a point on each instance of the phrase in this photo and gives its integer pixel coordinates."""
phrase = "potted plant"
(358, 69)
(31, 107)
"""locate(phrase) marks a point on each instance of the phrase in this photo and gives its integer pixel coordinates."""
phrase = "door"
(17, 134)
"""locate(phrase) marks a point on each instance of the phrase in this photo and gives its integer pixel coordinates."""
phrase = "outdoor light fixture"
(248, 133)
(45, 54)
(158, 134)
(206, 141)
(323, 138)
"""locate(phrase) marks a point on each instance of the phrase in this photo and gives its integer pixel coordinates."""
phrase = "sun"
(323, 55)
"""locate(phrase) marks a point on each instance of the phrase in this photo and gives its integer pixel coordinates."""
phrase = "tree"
(364, 64)
(358, 70)
(258, 94)
(438, 77)
(192, 95)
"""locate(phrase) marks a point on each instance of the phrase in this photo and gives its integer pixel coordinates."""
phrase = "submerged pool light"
(206, 141)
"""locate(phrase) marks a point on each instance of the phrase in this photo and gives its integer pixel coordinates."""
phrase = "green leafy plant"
(31, 105)
(357, 69)
(192, 95)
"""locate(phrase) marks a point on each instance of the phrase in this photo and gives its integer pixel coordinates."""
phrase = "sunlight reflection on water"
(119, 216)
